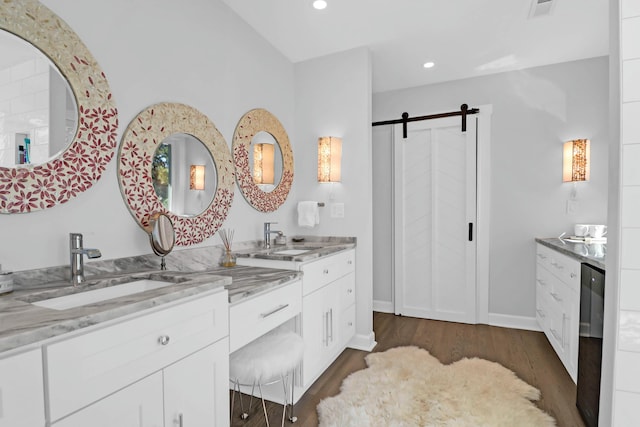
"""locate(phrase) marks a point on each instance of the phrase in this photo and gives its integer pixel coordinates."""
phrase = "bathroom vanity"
(112, 362)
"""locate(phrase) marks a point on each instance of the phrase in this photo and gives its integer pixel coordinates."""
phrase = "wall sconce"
(329, 157)
(576, 160)
(196, 177)
(263, 167)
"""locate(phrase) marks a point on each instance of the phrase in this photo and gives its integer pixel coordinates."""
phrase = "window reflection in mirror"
(38, 113)
(171, 173)
(265, 161)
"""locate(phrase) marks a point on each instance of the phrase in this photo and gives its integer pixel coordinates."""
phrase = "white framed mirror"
(178, 124)
(250, 132)
(78, 151)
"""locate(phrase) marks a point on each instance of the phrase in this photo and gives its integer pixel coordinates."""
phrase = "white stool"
(266, 360)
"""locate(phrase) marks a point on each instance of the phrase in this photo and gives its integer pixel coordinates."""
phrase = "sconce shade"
(263, 167)
(196, 178)
(576, 160)
(329, 158)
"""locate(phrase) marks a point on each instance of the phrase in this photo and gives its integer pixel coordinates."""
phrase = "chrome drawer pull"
(349, 291)
(555, 334)
(275, 310)
(555, 296)
(573, 275)
(325, 271)
(180, 420)
(542, 282)
(541, 313)
(542, 256)
(164, 339)
(349, 262)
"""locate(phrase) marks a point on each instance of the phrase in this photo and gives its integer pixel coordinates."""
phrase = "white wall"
(534, 112)
(333, 98)
(153, 51)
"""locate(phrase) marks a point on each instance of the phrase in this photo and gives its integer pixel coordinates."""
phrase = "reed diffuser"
(228, 258)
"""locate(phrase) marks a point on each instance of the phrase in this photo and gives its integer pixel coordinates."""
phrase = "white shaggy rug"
(406, 386)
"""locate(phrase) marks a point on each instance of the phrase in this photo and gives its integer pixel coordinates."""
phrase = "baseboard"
(515, 322)
(363, 342)
(383, 306)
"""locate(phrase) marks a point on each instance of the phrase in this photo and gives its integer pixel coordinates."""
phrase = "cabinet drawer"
(565, 268)
(254, 317)
(21, 391)
(319, 273)
(87, 367)
(347, 325)
(347, 286)
(542, 307)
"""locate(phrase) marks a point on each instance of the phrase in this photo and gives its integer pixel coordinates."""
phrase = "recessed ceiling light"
(429, 64)
(319, 4)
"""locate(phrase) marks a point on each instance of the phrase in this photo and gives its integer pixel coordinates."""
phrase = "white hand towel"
(308, 214)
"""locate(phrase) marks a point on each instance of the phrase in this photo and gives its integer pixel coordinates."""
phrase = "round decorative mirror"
(140, 177)
(246, 139)
(81, 125)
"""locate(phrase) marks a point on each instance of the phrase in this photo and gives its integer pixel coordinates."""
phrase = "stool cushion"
(265, 358)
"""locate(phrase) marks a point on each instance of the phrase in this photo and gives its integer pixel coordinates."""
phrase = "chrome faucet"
(267, 234)
(76, 252)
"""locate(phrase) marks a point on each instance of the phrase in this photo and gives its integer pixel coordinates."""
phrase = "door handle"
(471, 232)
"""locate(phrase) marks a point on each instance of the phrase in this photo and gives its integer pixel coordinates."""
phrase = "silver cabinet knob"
(164, 339)
(573, 275)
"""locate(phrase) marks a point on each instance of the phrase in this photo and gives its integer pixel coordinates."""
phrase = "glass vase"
(227, 259)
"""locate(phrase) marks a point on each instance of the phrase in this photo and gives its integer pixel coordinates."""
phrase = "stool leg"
(264, 406)
(284, 379)
(292, 418)
(245, 415)
(236, 389)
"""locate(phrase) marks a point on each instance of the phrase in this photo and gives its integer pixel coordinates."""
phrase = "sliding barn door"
(434, 216)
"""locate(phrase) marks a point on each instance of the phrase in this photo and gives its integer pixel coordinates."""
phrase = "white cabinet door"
(21, 391)
(196, 388)
(320, 330)
(139, 405)
(314, 334)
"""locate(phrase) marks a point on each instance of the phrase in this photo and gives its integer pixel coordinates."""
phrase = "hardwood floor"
(527, 353)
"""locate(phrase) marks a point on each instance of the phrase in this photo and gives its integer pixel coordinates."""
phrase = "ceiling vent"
(541, 8)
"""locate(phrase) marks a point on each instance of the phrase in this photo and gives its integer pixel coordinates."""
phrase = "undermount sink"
(294, 250)
(102, 294)
(291, 251)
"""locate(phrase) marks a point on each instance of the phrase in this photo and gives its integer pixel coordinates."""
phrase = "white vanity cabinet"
(328, 307)
(558, 303)
(21, 390)
(328, 311)
(151, 370)
(180, 395)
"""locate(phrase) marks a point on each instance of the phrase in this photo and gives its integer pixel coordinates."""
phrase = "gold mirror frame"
(249, 125)
(31, 188)
(139, 142)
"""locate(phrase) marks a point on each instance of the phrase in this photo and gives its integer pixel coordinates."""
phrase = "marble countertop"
(22, 323)
(313, 246)
(590, 253)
